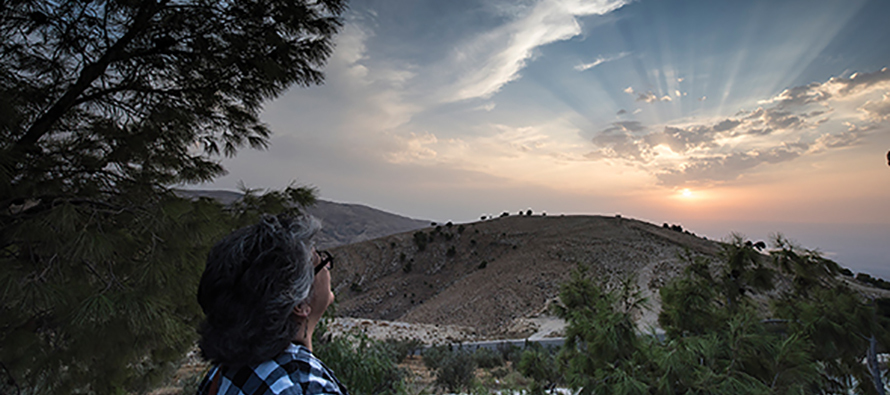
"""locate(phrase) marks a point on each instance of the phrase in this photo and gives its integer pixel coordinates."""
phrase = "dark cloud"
(727, 124)
(621, 112)
(774, 118)
(618, 141)
(647, 97)
(759, 132)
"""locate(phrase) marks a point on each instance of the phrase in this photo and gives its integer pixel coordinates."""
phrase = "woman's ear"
(302, 310)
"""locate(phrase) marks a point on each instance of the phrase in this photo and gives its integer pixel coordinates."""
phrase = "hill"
(343, 223)
(491, 275)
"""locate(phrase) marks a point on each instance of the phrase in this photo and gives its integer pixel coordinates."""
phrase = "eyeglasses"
(327, 260)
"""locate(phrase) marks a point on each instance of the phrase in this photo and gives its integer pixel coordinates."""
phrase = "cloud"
(494, 58)
(618, 141)
(682, 140)
(838, 86)
(877, 110)
(487, 106)
(621, 112)
(725, 167)
(803, 120)
(727, 124)
(600, 60)
(415, 148)
(647, 97)
(774, 118)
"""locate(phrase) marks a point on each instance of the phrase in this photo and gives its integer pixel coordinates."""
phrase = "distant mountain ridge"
(343, 223)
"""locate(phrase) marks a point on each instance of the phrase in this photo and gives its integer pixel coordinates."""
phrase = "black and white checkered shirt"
(294, 372)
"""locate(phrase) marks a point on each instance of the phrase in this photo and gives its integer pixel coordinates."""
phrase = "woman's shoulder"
(296, 371)
(307, 372)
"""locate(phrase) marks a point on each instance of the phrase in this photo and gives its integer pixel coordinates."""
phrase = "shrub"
(432, 357)
(487, 359)
(399, 349)
(451, 252)
(483, 265)
(540, 366)
(420, 240)
(456, 371)
(364, 365)
(461, 228)
(510, 353)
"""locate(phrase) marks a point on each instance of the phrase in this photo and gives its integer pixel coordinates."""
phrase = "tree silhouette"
(104, 105)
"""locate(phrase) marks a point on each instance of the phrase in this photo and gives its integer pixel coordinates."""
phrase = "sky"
(754, 117)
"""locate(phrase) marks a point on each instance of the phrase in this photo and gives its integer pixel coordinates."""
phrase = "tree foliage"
(104, 105)
(811, 339)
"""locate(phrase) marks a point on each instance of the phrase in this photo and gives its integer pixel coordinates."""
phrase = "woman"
(263, 291)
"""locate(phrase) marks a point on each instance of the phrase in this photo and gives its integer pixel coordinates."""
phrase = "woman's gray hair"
(253, 279)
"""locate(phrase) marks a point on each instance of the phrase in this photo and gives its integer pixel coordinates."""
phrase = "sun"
(686, 193)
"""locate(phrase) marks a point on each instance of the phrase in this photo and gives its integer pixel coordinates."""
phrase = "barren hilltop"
(492, 275)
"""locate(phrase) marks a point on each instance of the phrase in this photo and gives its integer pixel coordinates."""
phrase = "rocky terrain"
(492, 275)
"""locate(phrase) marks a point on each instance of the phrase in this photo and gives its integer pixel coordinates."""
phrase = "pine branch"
(88, 75)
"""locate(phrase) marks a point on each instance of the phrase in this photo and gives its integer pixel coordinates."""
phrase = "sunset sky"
(720, 116)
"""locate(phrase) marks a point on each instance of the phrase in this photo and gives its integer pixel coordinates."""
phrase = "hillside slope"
(501, 270)
(343, 223)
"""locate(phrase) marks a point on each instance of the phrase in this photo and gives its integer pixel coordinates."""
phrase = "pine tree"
(720, 338)
(104, 106)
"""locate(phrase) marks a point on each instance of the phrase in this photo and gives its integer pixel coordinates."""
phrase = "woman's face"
(321, 295)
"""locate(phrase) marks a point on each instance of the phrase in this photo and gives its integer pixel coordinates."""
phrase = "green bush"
(510, 353)
(363, 365)
(488, 359)
(456, 371)
(433, 356)
(400, 349)
(539, 365)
